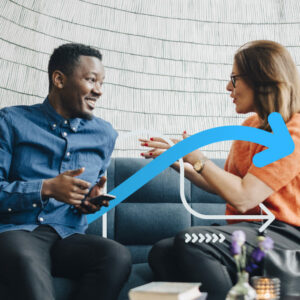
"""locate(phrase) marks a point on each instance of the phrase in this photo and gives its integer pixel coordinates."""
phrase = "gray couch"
(152, 213)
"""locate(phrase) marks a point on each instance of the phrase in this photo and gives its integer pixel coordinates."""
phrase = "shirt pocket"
(93, 164)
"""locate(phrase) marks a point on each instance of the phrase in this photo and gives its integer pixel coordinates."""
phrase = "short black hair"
(65, 57)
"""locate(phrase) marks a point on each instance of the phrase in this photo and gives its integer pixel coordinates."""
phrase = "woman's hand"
(194, 156)
(159, 146)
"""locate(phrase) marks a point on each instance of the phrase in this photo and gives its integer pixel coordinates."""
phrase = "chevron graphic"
(195, 238)
(202, 237)
(215, 238)
(222, 238)
(187, 238)
(207, 238)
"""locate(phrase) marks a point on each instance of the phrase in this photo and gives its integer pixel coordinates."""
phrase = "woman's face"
(242, 94)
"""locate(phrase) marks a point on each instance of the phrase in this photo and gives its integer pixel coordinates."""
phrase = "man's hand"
(87, 207)
(66, 188)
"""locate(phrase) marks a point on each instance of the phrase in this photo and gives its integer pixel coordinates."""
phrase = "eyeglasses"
(233, 78)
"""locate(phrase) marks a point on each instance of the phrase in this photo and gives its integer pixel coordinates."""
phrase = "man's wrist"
(46, 188)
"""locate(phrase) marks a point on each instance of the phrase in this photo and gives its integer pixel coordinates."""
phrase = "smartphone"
(104, 197)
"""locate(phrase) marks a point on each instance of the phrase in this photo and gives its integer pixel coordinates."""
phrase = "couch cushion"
(139, 253)
(140, 274)
(139, 226)
(208, 209)
(95, 227)
(147, 223)
(155, 211)
(164, 188)
(64, 288)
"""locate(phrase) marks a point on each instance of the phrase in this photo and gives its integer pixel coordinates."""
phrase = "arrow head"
(280, 143)
(269, 220)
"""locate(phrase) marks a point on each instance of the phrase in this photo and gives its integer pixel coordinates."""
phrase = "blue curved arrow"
(279, 143)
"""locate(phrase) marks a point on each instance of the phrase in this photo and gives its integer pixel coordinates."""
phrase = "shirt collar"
(56, 120)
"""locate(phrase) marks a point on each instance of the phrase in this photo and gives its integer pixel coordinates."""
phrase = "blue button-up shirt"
(36, 143)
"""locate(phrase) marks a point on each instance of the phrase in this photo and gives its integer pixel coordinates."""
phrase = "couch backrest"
(155, 211)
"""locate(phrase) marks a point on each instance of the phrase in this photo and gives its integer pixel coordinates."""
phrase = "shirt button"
(74, 129)
(65, 134)
(68, 153)
(41, 219)
(66, 122)
(9, 209)
(34, 205)
(54, 125)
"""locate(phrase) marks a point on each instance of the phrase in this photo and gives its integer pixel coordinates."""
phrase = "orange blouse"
(283, 176)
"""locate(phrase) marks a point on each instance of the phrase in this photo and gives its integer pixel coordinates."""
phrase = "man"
(52, 158)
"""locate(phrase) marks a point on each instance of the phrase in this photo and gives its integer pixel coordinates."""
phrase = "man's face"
(82, 88)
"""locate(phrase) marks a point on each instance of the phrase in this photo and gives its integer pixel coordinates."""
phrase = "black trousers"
(29, 259)
(211, 263)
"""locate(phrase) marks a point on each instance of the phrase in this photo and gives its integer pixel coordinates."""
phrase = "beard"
(85, 115)
(78, 112)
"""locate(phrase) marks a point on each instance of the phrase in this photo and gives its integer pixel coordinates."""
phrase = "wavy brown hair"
(269, 69)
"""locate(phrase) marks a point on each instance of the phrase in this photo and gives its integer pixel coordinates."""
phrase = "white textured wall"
(167, 61)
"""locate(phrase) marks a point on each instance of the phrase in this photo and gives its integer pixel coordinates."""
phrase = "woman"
(264, 79)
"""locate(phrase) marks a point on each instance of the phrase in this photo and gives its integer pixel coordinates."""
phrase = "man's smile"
(91, 102)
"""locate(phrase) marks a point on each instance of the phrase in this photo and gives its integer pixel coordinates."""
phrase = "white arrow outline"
(268, 216)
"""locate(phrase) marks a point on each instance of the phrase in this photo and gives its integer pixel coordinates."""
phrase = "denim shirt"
(36, 143)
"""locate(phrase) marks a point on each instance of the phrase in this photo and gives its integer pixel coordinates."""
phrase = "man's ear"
(58, 79)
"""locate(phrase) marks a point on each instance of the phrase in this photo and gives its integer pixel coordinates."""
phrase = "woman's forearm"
(241, 193)
(227, 185)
